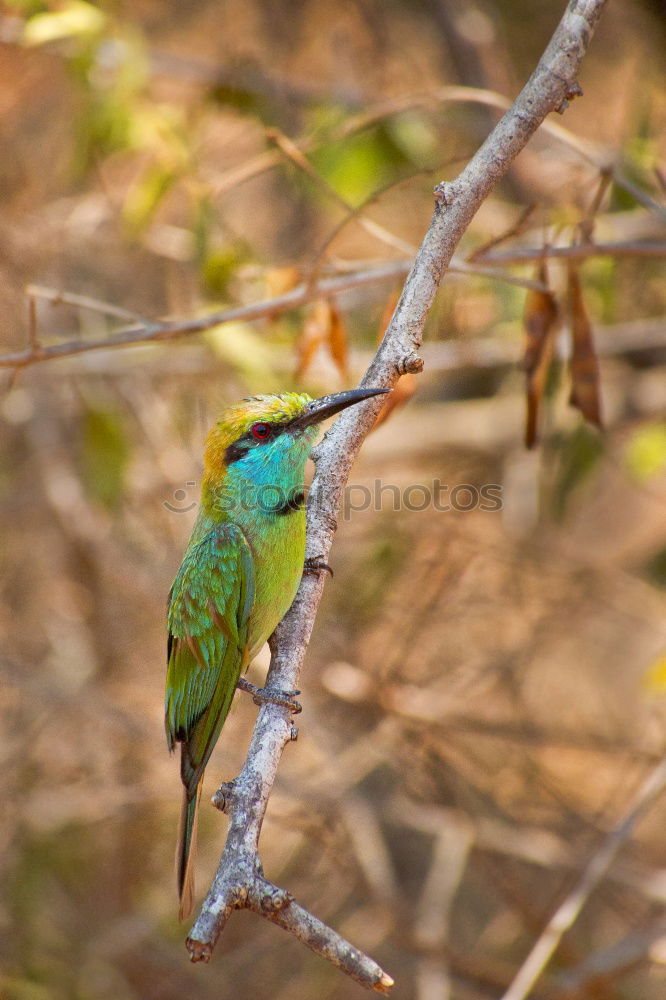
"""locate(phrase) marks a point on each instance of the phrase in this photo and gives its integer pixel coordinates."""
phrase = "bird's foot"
(286, 699)
(315, 564)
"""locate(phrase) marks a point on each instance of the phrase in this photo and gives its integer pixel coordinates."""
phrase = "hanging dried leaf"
(337, 342)
(406, 386)
(316, 329)
(539, 319)
(402, 392)
(387, 313)
(584, 363)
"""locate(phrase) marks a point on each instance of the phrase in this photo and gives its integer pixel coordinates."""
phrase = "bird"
(238, 576)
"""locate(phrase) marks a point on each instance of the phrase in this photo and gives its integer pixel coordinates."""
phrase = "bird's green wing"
(209, 607)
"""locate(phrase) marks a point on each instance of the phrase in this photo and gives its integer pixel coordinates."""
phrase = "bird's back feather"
(208, 615)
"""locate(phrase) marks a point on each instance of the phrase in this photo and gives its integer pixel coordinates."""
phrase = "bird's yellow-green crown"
(237, 420)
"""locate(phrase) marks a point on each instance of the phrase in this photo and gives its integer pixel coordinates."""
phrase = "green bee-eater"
(239, 575)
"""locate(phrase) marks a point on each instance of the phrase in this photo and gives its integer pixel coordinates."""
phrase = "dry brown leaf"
(539, 320)
(387, 313)
(406, 386)
(584, 362)
(402, 392)
(316, 329)
(337, 342)
(280, 280)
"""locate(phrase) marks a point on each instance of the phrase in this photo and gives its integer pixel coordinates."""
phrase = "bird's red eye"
(261, 431)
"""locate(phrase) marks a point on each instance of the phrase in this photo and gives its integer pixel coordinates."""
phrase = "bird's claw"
(315, 564)
(286, 699)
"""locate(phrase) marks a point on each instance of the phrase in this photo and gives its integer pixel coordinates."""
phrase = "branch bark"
(239, 881)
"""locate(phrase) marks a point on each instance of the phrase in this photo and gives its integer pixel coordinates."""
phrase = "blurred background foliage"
(484, 690)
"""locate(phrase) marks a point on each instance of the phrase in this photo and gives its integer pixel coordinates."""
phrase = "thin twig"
(610, 963)
(568, 911)
(57, 297)
(155, 331)
(298, 158)
(586, 226)
(581, 251)
(515, 230)
(493, 352)
(370, 200)
(551, 84)
(149, 332)
(33, 340)
(600, 157)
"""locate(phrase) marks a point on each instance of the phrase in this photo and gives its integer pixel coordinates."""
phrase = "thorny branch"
(239, 881)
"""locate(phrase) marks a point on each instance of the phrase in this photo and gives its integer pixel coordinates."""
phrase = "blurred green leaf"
(104, 126)
(574, 458)
(111, 72)
(322, 119)
(642, 152)
(654, 569)
(28, 8)
(204, 218)
(24, 989)
(645, 455)
(145, 197)
(245, 100)
(162, 130)
(416, 137)
(105, 455)
(361, 165)
(601, 288)
(655, 677)
(159, 129)
(218, 269)
(74, 19)
(248, 352)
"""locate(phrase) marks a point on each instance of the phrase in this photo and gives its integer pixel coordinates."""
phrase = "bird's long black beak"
(327, 406)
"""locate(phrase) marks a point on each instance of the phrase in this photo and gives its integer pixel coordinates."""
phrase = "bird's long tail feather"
(186, 850)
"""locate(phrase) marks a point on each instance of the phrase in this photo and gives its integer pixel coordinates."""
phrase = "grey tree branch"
(239, 880)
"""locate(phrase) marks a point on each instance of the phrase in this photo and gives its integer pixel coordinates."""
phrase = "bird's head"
(264, 436)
